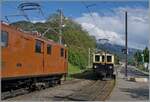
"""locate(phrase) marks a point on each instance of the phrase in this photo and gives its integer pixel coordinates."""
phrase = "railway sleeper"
(5, 95)
(13, 93)
(11, 88)
(44, 83)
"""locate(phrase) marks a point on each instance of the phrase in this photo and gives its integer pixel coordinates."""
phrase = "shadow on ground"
(88, 74)
(138, 93)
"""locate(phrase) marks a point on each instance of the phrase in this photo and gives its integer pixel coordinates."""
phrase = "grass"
(72, 70)
(141, 68)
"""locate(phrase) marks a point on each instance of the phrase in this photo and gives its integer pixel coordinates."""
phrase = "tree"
(138, 57)
(146, 54)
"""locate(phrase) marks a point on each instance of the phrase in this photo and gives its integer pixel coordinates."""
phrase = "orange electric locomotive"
(30, 61)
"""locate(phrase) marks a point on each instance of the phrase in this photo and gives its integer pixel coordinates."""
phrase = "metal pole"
(126, 44)
(60, 27)
(89, 62)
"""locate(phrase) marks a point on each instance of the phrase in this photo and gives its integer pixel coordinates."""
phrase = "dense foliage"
(78, 42)
(146, 54)
(142, 56)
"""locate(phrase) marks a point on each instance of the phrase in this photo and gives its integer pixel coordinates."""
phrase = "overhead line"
(87, 7)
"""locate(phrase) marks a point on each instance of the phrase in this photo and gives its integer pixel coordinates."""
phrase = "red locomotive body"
(28, 59)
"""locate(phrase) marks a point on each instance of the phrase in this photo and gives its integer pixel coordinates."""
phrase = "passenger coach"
(103, 64)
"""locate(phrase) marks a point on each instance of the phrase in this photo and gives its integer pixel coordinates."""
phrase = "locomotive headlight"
(95, 66)
(110, 67)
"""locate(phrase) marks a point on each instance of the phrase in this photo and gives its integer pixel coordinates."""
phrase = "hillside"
(77, 40)
(117, 49)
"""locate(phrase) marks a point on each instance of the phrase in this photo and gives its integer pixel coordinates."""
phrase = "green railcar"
(103, 64)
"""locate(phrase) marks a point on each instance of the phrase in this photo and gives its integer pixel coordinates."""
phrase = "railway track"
(78, 89)
(98, 91)
(82, 90)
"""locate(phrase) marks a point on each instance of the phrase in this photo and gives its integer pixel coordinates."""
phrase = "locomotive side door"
(39, 59)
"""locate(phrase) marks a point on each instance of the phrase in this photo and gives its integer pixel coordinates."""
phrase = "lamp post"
(60, 26)
(126, 44)
(89, 61)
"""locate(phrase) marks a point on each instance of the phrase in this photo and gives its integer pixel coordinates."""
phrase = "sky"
(102, 19)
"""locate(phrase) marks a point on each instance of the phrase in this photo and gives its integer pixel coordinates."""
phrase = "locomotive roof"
(29, 34)
(102, 53)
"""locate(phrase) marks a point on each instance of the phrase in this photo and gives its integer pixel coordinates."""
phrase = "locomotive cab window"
(61, 52)
(49, 49)
(38, 45)
(65, 54)
(109, 58)
(97, 58)
(103, 58)
(4, 38)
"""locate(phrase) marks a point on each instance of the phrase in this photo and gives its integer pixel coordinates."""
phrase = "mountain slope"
(117, 49)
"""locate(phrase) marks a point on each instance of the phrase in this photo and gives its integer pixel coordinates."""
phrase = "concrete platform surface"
(126, 90)
(129, 91)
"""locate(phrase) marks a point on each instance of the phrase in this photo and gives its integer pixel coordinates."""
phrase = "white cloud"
(35, 21)
(113, 37)
(112, 27)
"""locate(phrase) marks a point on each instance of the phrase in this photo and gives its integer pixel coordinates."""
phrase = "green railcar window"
(97, 58)
(109, 58)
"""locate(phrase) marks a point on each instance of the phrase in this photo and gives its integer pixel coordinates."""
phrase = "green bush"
(77, 58)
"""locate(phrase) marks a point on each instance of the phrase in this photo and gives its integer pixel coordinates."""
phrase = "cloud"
(113, 37)
(36, 21)
(112, 27)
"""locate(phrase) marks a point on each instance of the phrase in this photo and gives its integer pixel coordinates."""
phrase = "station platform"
(129, 90)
